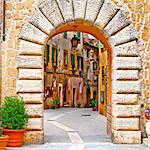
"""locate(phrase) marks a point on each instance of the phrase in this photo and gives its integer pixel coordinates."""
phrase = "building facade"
(71, 72)
(113, 23)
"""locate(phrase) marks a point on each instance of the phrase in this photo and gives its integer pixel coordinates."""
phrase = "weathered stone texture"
(32, 98)
(30, 62)
(34, 137)
(79, 8)
(106, 13)
(33, 34)
(30, 86)
(35, 124)
(125, 35)
(125, 75)
(92, 9)
(29, 48)
(51, 11)
(125, 123)
(128, 137)
(126, 87)
(66, 8)
(31, 74)
(124, 98)
(126, 110)
(126, 63)
(41, 22)
(34, 110)
(128, 49)
(119, 21)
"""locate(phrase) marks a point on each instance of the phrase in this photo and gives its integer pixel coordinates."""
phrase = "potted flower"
(56, 103)
(14, 120)
(94, 104)
(3, 138)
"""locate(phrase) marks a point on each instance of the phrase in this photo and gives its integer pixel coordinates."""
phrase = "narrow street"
(72, 125)
(77, 129)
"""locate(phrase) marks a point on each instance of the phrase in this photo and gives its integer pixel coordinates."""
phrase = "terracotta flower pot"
(16, 137)
(95, 108)
(147, 117)
(3, 142)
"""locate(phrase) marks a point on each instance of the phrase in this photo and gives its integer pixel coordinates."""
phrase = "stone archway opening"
(110, 24)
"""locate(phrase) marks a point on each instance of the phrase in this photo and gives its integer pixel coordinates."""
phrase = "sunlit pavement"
(77, 129)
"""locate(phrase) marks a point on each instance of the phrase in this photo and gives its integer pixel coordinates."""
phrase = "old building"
(71, 69)
(122, 26)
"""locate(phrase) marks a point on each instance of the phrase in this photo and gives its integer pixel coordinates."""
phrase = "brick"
(31, 74)
(106, 13)
(50, 9)
(32, 98)
(34, 110)
(126, 110)
(34, 137)
(29, 48)
(92, 9)
(124, 98)
(30, 86)
(125, 123)
(30, 62)
(33, 34)
(126, 137)
(35, 124)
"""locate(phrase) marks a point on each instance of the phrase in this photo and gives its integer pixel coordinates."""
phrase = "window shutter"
(53, 53)
(47, 55)
(78, 35)
(65, 34)
(73, 61)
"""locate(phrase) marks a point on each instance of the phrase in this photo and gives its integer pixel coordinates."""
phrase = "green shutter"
(72, 61)
(78, 35)
(47, 55)
(65, 34)
(53, 53)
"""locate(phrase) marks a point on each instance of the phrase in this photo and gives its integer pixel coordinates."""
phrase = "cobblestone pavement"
(76, 129)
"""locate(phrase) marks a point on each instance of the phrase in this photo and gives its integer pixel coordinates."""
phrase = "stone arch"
(112, 25)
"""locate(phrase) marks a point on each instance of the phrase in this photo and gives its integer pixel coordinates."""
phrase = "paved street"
(77, 129)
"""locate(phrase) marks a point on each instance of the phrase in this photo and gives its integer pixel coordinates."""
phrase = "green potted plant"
(3, 138)
(78, 104)
(14, 120)
(94, 104)
(56, 103)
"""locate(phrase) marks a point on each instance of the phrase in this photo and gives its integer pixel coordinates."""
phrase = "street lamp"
(74, 42)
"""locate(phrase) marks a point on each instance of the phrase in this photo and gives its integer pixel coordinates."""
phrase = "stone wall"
(17, 13)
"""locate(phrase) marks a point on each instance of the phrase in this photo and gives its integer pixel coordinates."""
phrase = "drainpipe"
(3, 20)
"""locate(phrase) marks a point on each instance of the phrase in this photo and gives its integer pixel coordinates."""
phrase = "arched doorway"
(110, 24)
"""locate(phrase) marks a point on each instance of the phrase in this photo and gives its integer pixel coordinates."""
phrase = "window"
(103, 74)
(54, 56)
(87, 53)
(65, 34)
(73, 61)
(65, 58)
(88, 73)
(79, 62)
(78, 35)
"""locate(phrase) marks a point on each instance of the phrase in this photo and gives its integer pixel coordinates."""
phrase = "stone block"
(35, 124)
(41, 22)
(50, 9)
(34, 110)
(128, 49)
(35, 62)
(92, 9)
(25, 86)
(126, 137)
(35, 74)
(126, 110)
(32, 98)
(79, 8)
(66, 9)
(34, 137)
(33, 34)
(106, 13)
(126, 63)
(124, 98)
(125, 35)
(125, 123)
(126, 87)
(29, 48)
(118, 22)
(125, 75)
